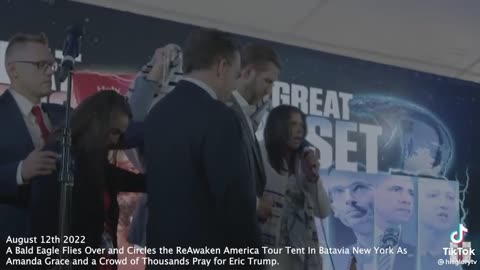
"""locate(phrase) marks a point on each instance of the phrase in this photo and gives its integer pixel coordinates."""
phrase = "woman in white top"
(293, 186)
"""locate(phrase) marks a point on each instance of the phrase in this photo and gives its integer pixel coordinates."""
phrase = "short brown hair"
(23, 38)
(258, 54)
(204, 46)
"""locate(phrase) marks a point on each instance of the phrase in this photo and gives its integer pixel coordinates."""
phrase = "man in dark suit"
(27, 122)
(200, 190)
(260, 67)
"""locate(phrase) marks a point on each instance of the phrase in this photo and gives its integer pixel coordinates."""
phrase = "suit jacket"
(199, 189)
(15, 145)
(252, 148)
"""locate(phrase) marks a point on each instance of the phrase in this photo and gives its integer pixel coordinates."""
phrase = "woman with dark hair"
(98, 125)
(293, 186)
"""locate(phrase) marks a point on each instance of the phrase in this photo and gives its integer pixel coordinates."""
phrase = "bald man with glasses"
(27, 123)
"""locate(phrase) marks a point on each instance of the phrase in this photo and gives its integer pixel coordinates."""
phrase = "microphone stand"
(70, 51)
(66, 181)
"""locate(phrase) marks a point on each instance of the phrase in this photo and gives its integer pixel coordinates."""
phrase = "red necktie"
(37, 112)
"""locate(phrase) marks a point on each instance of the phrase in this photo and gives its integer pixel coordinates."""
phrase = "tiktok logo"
(460, 251)
(457, 236)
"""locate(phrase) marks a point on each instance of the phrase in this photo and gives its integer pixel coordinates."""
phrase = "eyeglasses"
(42, 65)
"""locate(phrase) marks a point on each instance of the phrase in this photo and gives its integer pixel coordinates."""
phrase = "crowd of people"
(207, 180)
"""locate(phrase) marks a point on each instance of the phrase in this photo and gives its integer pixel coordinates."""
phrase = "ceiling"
(436, 36)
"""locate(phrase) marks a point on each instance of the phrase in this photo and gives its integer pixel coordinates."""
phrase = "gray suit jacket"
(255, 160)
(141, 98)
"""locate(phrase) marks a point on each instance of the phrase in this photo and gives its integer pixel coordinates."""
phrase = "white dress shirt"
(30, 122)
(202, 85)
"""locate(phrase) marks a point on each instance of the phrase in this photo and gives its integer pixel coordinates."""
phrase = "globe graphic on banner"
(413, 140)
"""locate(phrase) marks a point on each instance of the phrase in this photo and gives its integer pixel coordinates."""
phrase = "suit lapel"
(244, 122)
(17, 127)
(258, 157)
(252, 142)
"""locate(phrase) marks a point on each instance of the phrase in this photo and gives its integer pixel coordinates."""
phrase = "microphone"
(71, 50)
(308, 160)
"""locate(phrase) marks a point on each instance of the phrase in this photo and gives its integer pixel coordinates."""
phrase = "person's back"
(183, 188)
(199, 189)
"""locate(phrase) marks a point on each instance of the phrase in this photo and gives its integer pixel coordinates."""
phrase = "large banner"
(391, 162)
(396, 164)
